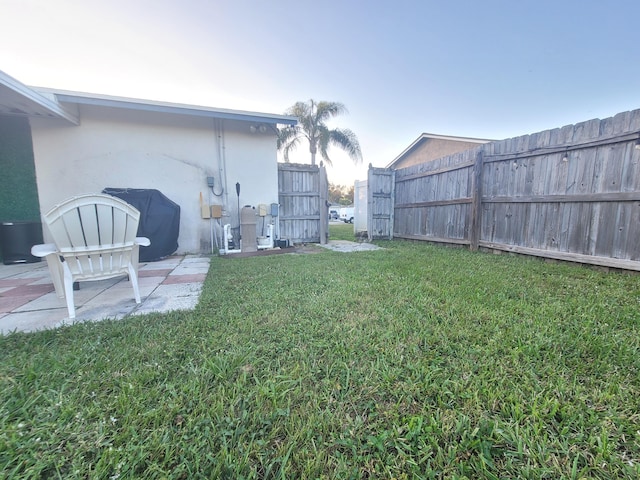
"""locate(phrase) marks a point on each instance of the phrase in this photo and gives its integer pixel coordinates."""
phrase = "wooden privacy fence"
(571, 193)
(303, 191)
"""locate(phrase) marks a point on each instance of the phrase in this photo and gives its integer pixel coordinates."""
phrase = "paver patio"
(28, 301)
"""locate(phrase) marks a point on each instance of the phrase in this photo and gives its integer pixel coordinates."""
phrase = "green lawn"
(341, 231)
(416, 361)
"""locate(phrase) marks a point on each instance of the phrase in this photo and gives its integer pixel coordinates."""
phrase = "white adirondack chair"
(95, 239)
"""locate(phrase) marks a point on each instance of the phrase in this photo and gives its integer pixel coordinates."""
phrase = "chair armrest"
(50, 252)
(143, 241)
(43, 250)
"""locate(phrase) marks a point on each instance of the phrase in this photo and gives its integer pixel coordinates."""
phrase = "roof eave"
(171, 108)
(51, 106)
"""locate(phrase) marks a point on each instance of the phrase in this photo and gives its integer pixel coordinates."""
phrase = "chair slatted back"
(94, 233)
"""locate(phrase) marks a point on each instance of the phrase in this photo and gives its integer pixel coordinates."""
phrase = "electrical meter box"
(216, 211)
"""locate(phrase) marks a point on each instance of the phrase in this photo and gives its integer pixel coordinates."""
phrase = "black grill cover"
(159, 220)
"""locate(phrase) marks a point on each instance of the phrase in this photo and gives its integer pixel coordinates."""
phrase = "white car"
(346, 214)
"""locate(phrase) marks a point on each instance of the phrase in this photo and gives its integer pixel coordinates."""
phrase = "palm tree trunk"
(313, 149)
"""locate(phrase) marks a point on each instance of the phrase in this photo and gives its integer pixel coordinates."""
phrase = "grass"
(413, 362)
(341, 231)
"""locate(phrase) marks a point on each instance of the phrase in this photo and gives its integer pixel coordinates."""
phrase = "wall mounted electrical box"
(204, 208)
(275, 209)
(216, 211)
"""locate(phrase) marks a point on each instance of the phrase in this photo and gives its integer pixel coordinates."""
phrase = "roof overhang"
(426, 136)
(78, 98)
(19, 99)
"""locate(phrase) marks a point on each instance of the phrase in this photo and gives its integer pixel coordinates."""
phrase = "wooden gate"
(303, 191)
(380, 199)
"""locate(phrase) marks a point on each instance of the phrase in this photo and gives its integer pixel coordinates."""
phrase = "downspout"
(222, 161)
(222, 175)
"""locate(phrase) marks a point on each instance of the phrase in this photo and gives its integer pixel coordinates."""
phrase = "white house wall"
(171, 153)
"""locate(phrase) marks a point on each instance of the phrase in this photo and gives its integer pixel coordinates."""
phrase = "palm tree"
(312, 117)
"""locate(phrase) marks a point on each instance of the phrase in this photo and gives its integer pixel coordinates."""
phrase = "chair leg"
(57, 273)
(68, 292)
(133, 278)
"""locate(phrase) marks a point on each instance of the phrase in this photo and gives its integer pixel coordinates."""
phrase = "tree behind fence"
(571, 193)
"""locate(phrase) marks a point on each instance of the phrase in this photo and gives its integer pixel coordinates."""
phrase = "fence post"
(476, 202)
(370, 205)
(324, 204)
(392, 204)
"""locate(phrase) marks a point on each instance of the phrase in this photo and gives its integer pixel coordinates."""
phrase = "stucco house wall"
(173, 153)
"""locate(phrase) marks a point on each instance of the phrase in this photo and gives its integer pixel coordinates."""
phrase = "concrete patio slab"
(166, 298)
(346, 246)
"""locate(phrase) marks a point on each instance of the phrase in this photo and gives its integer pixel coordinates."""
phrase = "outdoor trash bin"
(17, 238)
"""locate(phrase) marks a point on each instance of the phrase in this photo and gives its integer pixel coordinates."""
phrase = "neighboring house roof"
(427, 136)
(19, 99)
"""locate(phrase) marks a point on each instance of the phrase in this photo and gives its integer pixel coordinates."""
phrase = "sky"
(490, 69)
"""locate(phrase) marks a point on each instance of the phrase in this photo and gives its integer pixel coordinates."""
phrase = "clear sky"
(471, 68)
